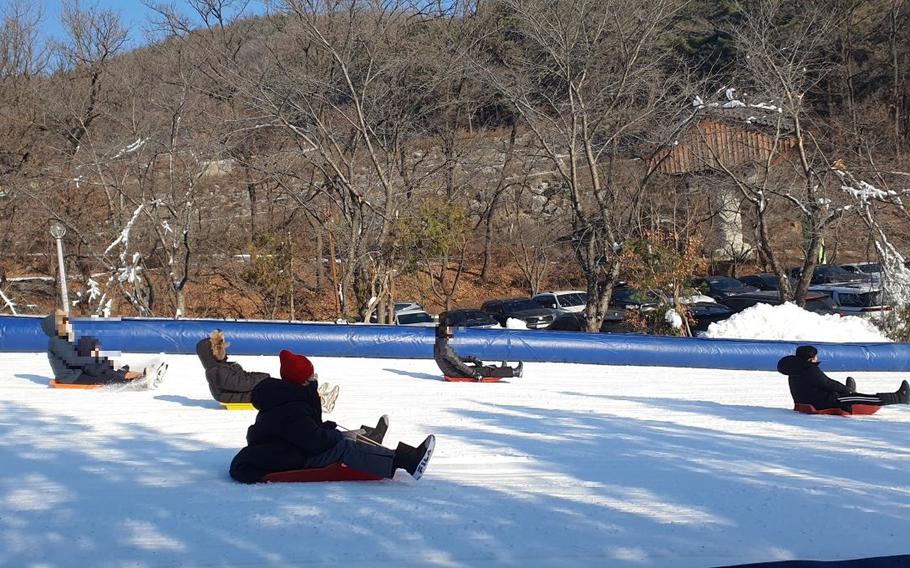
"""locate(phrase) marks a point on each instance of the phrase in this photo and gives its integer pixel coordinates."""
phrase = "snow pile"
(514, 323)
(789, 322)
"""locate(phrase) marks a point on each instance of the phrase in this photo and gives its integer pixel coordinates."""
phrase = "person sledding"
(83, 364)
(453, 365)
(231, 383)
(289, 433)
(810, 386)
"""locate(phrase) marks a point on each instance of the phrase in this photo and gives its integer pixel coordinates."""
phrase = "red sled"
(855, 410)
(334, 472)
(449, 379)
(55, 385)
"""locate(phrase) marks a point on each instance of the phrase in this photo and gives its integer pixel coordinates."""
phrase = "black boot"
(377, 434)
(851, 385)
(903, 393)
(519, 369)
(414, 460)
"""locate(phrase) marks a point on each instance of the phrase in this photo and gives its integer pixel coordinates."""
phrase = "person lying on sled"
(289, 433)
(809, 385)
(453, 365)
(84, 366)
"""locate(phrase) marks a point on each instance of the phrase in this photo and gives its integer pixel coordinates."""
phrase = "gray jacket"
(66, 364)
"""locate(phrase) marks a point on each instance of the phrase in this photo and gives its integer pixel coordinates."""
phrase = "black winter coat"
(449, 362)
(809, 385)
(228, 382)
(292, 414)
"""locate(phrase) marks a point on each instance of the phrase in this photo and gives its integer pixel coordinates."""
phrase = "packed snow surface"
(571, 465)
(790, 322)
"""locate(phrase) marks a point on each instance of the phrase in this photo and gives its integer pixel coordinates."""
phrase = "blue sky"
(134, 13)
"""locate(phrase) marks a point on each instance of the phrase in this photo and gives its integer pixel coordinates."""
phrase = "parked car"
(704, 309)
(470, 318)
(614, 322)
(633, 298)
(415, 317)
(817, 302)
(719, 287)
(563, 300)
(763, 281)
(856, 299)
(533, 314)
(828, 274)
(400, 307)
(870, 271)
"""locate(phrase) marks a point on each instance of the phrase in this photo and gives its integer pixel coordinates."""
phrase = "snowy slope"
(573, 465)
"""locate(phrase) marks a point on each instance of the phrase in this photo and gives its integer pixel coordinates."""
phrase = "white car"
(565, 301)
(416, 318)
(856, 299)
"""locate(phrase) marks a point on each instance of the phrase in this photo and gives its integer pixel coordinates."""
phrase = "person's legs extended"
(901, 396)
(358, 455)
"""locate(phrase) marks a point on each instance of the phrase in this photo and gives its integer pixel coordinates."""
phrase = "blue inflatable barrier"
(135, 335)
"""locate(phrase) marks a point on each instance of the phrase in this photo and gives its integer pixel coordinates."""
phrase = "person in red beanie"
(289, 433)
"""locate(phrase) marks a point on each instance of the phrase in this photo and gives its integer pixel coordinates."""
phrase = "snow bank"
(515, 323)
(791, 323)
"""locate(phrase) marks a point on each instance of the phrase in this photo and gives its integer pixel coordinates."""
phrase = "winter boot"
(900, 396)
(414, 460)
(851, 385)
(377, 434)
(519, 369)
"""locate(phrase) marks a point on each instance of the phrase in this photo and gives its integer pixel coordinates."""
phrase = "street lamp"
(57, 230)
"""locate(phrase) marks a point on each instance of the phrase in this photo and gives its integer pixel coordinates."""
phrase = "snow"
(790, 322)
(515, 323)
(571, 465)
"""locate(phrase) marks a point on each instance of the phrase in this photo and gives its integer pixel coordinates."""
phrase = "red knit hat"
(295, 368)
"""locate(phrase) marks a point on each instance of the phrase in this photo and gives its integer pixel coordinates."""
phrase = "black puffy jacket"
(228, 382)
(292, 414)
(809, 385)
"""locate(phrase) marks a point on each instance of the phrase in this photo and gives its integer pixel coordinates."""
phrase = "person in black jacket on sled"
(453, 365)
(289, 433)
(809, 385)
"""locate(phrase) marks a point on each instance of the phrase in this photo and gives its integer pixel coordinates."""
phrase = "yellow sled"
(237, 405)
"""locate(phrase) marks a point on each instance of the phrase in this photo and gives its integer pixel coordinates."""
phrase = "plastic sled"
(54, 384)
(334, 472)
(856, 410)
(471, 379)
(237, 405)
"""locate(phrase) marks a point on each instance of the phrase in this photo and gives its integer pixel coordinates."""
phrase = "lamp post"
(57, 230)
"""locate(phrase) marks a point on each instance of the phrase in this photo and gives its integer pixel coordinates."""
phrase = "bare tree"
(586, 77)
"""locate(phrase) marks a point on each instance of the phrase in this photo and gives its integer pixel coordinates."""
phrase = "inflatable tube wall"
(23, 334)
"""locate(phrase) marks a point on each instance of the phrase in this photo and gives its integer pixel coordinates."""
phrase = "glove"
(329, 425)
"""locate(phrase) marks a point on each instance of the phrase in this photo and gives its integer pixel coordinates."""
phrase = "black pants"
(847, 401)
(490, 371)
(253, 463)
(108, 377)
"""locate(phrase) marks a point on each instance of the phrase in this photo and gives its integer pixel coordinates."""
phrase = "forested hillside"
(329, 157)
